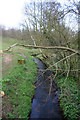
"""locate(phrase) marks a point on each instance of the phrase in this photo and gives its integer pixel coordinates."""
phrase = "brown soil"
(6, 107)
(6, 58)
(7, 62)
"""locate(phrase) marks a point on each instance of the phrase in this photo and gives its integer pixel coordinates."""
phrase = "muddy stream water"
(43, 104)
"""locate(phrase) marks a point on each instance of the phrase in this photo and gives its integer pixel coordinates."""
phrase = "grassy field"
(17, 80)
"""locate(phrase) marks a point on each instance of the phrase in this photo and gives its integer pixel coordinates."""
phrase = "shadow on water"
(45, 105)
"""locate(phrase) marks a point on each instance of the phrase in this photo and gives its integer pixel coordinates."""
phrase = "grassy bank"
(17, 81)
(69, 97)
(19, 89)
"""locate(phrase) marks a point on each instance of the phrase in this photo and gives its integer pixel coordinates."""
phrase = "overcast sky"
(11, 12)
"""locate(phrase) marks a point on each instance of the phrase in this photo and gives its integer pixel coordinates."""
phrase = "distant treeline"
(15, 33)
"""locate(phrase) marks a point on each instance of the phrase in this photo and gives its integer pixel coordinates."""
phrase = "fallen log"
(43, 47)
(11, 47)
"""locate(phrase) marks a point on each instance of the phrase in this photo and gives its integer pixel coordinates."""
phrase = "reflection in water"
(45, 105)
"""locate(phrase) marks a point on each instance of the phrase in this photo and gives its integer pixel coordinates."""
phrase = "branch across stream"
(45, 105)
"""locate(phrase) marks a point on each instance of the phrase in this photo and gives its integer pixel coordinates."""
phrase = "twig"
(52, 81)
(68, 72)
(60, 74)
(43, 81)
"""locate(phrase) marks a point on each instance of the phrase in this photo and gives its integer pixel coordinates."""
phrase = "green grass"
(18, 82)
(69, 97)
(19, 87)
(6, 42)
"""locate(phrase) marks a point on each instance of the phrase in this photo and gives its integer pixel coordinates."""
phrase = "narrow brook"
(45, 105)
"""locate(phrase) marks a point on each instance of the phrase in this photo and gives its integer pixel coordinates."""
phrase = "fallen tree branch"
(65, 58)
(11, 47)
(61, 61)
(43, 47)
(39, 48)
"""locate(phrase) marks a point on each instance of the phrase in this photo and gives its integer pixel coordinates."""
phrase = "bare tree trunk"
(79, 39)
(35, 26)
(41, 17)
